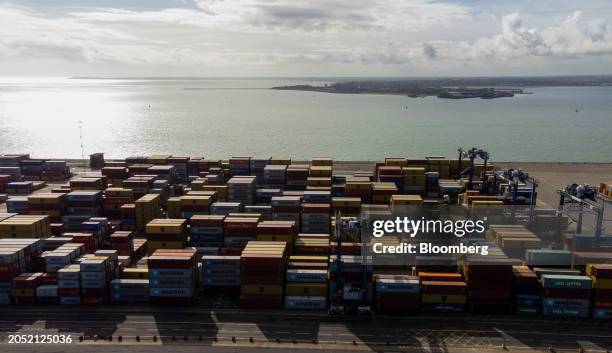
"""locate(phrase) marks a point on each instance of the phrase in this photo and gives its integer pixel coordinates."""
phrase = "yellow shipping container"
(346, 201)
(198, 184)
(310, 289)
(46, 199)
(319, 181)
(381, 198)
(413, 171)
(25, 226)
(166, 226)
(220, 189)
(320, 171)
(119, 192)
(359, 185)
(322, 161)
(401, 162)
(190, 200)
(309, 259)
(148, 199)
(318, 188)
(602, 283)
(135, 273)
(23, 292)
(173, 206)
(397, 200)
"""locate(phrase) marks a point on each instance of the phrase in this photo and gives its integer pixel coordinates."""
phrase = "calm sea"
(218, 118)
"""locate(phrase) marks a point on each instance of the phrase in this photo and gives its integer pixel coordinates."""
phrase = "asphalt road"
(197, 326)
(229, 349)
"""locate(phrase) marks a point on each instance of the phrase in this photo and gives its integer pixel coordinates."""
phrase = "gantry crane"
(472, 154)
(348, 300)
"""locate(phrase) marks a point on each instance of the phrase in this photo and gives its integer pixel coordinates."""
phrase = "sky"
(314, 38)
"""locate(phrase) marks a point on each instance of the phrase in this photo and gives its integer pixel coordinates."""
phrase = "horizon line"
(301, 77)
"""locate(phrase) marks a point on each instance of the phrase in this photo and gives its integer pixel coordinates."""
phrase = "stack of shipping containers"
(147, 208)
(316, 218)
(95, 274)
(173, 276)
(114, 198)
(206, 231)
(566, 295)
(241, 189)
(240, 166)
(69, 285)
(526, 290)
(285, 231)
(489, 282)
(274, 176)
(52, 205)
(286, 208)
(221, 274)
(602, 290)
(306, 286)
(128, 291)
(443, 292)
(275, 209)
(239, 231)
(257, 166)
(165, 233)
(82, 205)
(24, 287)
(262, 274)
(297, 176)
(22, 226)
(123, 242)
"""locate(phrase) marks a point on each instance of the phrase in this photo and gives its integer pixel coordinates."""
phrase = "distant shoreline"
(452, 88)
(441, 92)
(559, 78)
(444, 93)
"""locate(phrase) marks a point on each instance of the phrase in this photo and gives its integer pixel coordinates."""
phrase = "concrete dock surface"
(221, 327)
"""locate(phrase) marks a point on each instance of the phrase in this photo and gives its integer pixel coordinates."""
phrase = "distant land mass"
(452, 88)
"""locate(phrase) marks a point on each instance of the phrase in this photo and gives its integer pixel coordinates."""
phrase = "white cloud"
(227, 37)
(30, 35)
(575, 36)
(313, 15)
(176, 36)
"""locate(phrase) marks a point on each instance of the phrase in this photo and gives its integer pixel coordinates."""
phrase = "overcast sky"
(304, 38)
